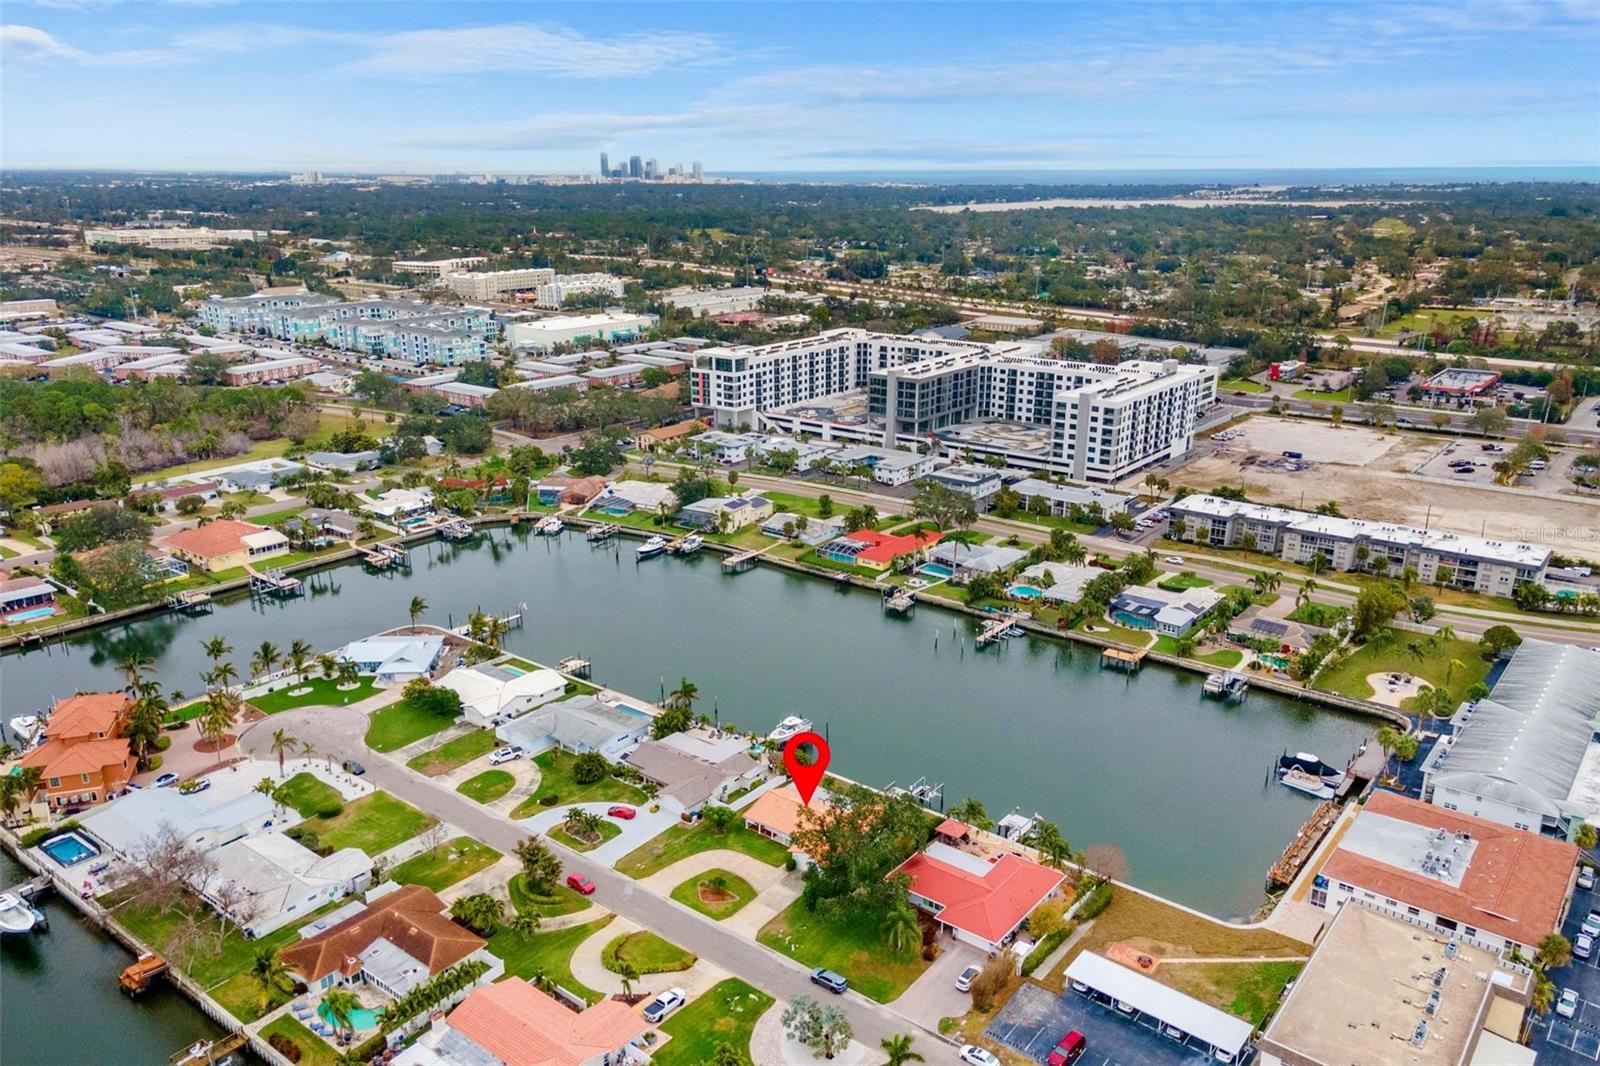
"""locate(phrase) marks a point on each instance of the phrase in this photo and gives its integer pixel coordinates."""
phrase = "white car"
(1175, 560)
(1591, 924)
(966, 977)
(506, 754)
(1567, 1005)
(1586, 877)
(1583, 946)
(664, 1004)
(977, 1056)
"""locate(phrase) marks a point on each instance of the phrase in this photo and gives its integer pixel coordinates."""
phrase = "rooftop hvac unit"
(1419, 1035)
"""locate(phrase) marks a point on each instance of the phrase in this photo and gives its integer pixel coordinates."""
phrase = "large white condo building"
(487, 284)
(1011, 400)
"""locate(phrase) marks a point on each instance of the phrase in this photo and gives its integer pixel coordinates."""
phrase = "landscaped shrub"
(1043, 949)
(1098, 901)
(35, 837)
(331, 809)
(790, 862)
(549, 799)
(284, 1046)
(589, 767)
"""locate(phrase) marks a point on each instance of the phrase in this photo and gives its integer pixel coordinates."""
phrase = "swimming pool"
(1025, 592)
(1132, 621)
(361, 1017)
(514, 671)
(69, 848)
(30, 616)
(936, 570)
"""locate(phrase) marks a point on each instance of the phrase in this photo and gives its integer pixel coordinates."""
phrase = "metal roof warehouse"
(1222, 1031)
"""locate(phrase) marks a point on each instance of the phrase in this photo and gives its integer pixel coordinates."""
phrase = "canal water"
(60, 1004)
(1178, 782)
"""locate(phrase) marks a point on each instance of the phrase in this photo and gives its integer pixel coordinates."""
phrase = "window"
(1413, 912)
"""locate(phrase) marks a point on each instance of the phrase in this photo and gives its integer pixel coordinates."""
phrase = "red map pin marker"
(806, 778)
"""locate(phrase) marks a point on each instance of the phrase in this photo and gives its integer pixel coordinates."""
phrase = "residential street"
(337, 734)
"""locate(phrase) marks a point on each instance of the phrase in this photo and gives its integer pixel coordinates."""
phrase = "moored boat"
(1309, 783)
(16, 916)
(653, 546)
(1307, 773)
(549, 525)
(790, 726)
(691, 544)
(26, 727)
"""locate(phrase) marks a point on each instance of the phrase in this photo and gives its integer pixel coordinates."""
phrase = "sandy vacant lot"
(1368, 472)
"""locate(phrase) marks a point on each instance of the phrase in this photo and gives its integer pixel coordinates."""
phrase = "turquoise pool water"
(361, 1018)
(936, 570)
(1025, 592)
(515, 671)
(69, 849)
(1132, 621)
(29, 616)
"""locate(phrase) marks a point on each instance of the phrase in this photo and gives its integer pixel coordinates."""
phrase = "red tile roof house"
(877, 551)
(514, 1023)
(982, 901)
(1502, 887)
(84, 760)
(397, 943)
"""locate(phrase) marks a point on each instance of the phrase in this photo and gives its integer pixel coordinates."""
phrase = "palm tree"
(627, 974)
(328, 665)
(132, 668)
(349, 673)
(299, 654)
(269, 973)
(901, 929)
(145, 720)
(1307, 587)
(417, 609)
(307, 749)
(1046, 838)
(221, 676)
(222, 707)
(1445, 633)
(341, 1005)
(10, 795)
(216, 649)
(898, 1048)
(524, 924)
(282, 743)
(684, 695)
(265, 658)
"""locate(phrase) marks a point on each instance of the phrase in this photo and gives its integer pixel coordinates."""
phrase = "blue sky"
(797, 86)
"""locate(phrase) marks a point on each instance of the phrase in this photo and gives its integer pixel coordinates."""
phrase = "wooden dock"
(602, 532)
(191, 601)
(210, 1052)
(1303, 846)
(575, 666)
(455, 529)
(384, 556)
(1124, 658)
(274, 583)
(141, 972)
(898, 600)
(745, 560)
(996, 628)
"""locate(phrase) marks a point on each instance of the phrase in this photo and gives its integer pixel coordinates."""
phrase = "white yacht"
(549, 526)
(691, 544)
(15, 914)
(25, 727)
(653, 546)
(789, 727)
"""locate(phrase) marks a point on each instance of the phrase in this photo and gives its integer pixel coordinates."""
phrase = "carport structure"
(1223, 1034)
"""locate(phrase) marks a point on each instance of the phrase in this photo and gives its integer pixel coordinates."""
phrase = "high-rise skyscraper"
(605, 166)
(635, 167)
(651, 170)
(697, 172)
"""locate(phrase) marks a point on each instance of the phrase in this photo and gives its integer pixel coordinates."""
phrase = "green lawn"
(725, 1014)
(454, 753)
(1322, 615)
(608, 830)
(548, 953)
(741, 891)
(324, 693)
(1342, 396)
(307, 794)
(1260, 599)
(314, 1051)
(373, 823)
(1184, 582)
(402, 723)
(647, 952)
(1223, 657)
(563, 901)
(487, 786)
(1349, 675)
(852, 947)
(1241, 385)
(555, 769)
(1245, 989)
(1133, 638)
(440, 867)
(681, 841)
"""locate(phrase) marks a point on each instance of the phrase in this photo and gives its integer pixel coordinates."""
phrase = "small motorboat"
(25, 727)
(691, 544)
(16, 916)
(653, 546)
(790, 726)
(549, 526)
(1310, 784)
(1306, 773)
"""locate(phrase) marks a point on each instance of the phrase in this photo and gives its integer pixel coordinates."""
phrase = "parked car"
(1175, 560)
(1124, 1007)
(1591, 924)
(1583, 946)
(627, 814)
(1567, 1005)
(1068, 1050)
(833, 982)
(1586, 877)
(965, 978)
(580, 884)
(664, 1004)
(506, 754)
(1079, 986)
(194, 784)
(166, 780)
(1172, 1032)
(353, 767)
(974, 1055)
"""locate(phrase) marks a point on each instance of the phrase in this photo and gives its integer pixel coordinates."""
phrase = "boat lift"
(923, 791)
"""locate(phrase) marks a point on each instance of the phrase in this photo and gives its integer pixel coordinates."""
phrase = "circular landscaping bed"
(578, 841)
(487, 786)
(646, 953)
(303, 690)
(210, 747)
(715, 893)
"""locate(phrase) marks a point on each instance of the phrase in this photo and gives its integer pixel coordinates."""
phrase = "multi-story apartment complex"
(173, 237)
(259, 312)
(438, 268)
(487, 284)
(413, 330)
(1011, 400)
(1481, 564)
(555, 294)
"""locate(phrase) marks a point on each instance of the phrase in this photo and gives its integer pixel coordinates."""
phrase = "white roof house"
(1067, 581)
(579, 724)
(394, 660)
(636, 496)
(976, 558)
(269, 880)
(490, 694)
(400, 504)
(125, 824)
(1200, 1020)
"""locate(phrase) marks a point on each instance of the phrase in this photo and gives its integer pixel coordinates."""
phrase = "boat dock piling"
(274, 583)
(1129, 659)
(575, 666)
(192, 601)
(996, 628)
(602, 532)
(738, 564)
(899, 600)
(455, 529)
(1303, 846)
(383, 556)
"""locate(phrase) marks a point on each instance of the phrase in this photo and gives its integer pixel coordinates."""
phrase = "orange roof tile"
(989, 904)
(779, 810)
(411, 918)
(521, 1026)
(215, 538)
(86, 715)
(56, 758)
(1515, 884)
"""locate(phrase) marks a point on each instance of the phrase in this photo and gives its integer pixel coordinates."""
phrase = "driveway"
(339, 732)
(933, 995)
(641, 829)
(1036, 1018)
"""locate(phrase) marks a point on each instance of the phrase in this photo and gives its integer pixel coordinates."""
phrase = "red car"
(1068, 1050)
(580, 884)
(627, 814)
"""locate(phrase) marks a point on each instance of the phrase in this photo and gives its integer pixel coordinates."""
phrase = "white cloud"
(528, 48)
(28, 42)
(596, 130)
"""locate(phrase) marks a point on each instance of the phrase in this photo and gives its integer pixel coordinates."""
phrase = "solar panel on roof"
(1263, 625)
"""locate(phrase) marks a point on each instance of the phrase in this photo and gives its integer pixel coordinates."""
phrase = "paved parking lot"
(1573, 1041)
(1036, 1018)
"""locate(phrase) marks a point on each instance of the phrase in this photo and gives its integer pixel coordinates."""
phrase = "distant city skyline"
(797, 88)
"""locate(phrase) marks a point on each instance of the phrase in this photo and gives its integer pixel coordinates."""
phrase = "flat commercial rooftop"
(1366, 992)
(1008, 436)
